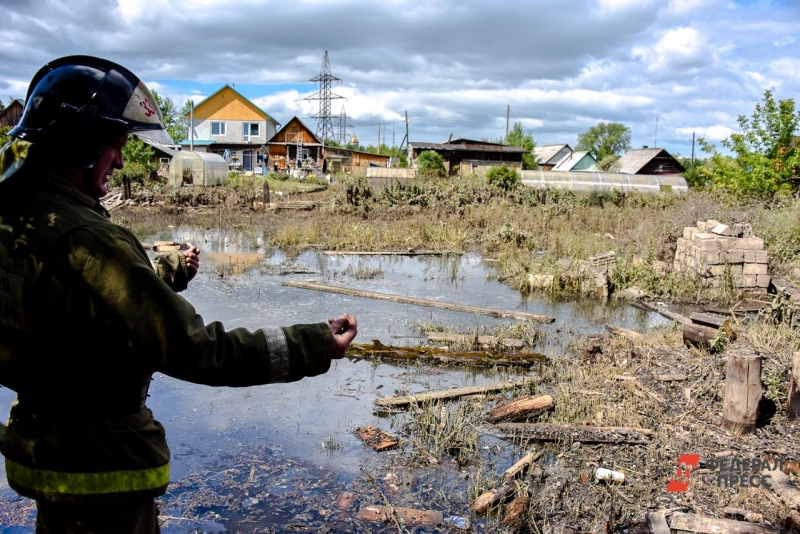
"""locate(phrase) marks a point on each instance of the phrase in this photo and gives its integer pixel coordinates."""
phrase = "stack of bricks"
(712, 249)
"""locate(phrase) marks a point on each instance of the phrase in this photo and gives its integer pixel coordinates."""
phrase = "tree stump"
(126, 187)
(265, 198)
(743, 391)
(793, 404)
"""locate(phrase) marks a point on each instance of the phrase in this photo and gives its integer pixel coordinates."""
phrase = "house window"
(218, 128)
(250, 130)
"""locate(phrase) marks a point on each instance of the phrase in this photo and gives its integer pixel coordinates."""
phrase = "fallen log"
(376, 438)
(624, 332)
(397, 402)
(379, 351)
(492, 497)
(779, 483)
(520, 408)
(714, 525)
(407, 516)
(476, 340)
(712, 321)
(507, 314)
(583, 434)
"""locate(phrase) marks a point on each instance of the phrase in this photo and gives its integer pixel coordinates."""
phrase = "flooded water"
(277, 456)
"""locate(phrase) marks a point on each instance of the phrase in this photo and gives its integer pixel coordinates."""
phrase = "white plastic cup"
(607, 474)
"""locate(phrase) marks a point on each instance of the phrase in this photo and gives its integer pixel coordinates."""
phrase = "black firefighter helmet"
(77, 105)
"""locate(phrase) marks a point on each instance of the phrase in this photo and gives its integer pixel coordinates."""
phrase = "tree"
(765, 159)
(431, 164)
(4, 137)
(607, 142)
(519, 137)
(182, 127)
(505, 178)
(173, 119)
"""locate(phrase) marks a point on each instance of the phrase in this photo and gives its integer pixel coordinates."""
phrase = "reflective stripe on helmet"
(278, 353)
(65, 483)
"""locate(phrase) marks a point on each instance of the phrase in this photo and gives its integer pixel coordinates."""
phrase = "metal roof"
(570, 161)
(198, 142)
(468, 148)
(545, 153)
(634, 160)
(168, 149)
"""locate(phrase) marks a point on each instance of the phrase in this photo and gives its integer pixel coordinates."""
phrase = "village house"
(228, 124)
(466, 156)
(296, 139)
(548, 156)
(652, 161)
(10, 116)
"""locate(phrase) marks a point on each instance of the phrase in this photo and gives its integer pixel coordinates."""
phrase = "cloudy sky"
(664, 68)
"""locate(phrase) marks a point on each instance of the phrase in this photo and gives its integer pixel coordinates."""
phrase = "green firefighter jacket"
(85, 320)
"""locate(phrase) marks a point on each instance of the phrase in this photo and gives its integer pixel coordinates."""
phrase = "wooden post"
(266, 195)
(743, 391)
(793, 404)
(126, 187)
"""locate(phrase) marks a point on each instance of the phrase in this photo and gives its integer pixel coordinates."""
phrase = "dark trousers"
(139, 517)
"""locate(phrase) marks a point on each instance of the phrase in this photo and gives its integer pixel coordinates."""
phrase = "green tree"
(519, 137)
(431, 164)
(505, 178)
(173, 119)
(607, 142)
(182, 127)
(4, 137)
(764, 157)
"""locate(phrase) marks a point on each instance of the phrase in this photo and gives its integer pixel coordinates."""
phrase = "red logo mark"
(680, 482)
(148, 108)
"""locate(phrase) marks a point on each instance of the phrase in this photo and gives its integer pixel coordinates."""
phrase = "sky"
(667, 69)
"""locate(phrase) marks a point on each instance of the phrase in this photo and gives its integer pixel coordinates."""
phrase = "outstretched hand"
(344, 330)
(192, 255)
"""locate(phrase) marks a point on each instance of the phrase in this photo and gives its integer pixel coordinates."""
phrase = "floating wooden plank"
(492, 497)
(520, 466)
(432, 355)
(410, 252)
(584, 434)
(658, 523)
(649, 306)
(624, 332)
(478, 340)
(376, 438)
(507, 314)
(397, 402)
(714, 525)
(520, 408)
(406, 516)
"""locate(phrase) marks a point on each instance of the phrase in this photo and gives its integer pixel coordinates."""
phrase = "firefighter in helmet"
(86, 318)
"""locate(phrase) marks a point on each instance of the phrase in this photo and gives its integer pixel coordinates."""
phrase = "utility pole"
(379, 138)
(408, 141)
(325, 95)
(508, 115)
(655, 141)
(191, 126)
(692, 150)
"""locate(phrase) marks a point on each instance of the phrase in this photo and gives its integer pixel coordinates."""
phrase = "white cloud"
(714, 133)
(679, 49)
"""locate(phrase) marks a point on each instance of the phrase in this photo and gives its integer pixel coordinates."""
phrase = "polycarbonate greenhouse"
(197, 168)
(604, 181)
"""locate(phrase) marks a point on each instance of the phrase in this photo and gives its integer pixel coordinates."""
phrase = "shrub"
(430, 164)
(505, 178)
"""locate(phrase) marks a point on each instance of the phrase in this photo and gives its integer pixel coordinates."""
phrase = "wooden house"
(466, 156)
(228, 124)
(654, 161)
(10, 116)
(548, 156)
(297, 138)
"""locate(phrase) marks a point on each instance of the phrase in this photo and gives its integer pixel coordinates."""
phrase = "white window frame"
(247, 128)
(223, 128)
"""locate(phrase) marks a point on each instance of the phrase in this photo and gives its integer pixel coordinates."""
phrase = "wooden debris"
(649, 306)
(743, 390)
(714, 322)
(476, 340)
(699, 335)
(714, 525)
(520, 409)
(750, 517)
(346, 500)
(743, 307)
(779, 483)
(672, 378)
(293, 205)
(492, 497)
(396, 402)
(658, 523)
(408, 252)
(376, 438)
(406, 516)
(432, 355)
(624, 332)
(793, 404)
(507, 314)
(584, 434)
(520, 466)
(515, 514)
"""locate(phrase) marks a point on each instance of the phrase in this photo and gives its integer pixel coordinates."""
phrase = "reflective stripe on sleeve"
(65, 483)
(278, 353)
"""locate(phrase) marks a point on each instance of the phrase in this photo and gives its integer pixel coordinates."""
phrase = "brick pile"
(710, 249)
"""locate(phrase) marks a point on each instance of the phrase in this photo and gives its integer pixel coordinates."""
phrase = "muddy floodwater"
(279, 457)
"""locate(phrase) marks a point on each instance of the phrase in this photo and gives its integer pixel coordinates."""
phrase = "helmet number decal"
(148, 108)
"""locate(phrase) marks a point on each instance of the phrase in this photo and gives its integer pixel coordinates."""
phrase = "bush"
(431, 165)
(506, 178)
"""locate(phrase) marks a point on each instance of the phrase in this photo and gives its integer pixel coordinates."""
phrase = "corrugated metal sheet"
(568, 163)
(633, 160)
(603, 181)
(544, 154)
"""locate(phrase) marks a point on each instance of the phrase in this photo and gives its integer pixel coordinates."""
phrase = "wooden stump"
(743, 391)
(265, 198)
(793, 404)
(126, 187)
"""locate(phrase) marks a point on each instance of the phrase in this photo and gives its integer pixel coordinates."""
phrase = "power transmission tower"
(324, 95)
(342, 135)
